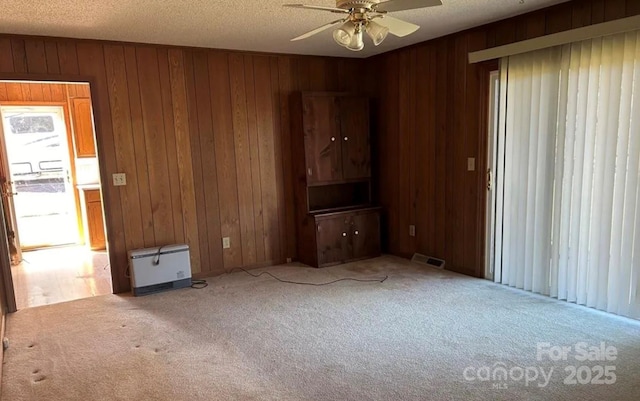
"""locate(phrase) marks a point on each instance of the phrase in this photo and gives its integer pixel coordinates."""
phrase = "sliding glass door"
(568, 219)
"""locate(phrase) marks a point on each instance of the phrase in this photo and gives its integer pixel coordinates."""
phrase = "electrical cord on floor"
(199, 284)
(375, 280)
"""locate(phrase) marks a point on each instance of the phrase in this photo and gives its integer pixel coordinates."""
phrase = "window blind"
(570, 212)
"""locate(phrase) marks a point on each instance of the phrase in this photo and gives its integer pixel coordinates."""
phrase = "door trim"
(483, 74)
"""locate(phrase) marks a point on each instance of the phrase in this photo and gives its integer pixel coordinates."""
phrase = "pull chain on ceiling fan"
(370, 16)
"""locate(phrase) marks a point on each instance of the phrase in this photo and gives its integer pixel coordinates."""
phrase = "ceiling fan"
(370, 16)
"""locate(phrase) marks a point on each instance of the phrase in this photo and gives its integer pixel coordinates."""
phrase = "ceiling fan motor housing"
(355, 4)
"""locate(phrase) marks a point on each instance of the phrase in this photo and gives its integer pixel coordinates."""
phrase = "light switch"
(119, 179)
(412, 230)
(471, 164)
(226, 243)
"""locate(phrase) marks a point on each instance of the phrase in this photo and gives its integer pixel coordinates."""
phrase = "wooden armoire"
(336, 219)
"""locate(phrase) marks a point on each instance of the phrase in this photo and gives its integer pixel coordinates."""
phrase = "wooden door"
(354, 128)
(365, 232)
(10, 252)
(333, 241)
(8, 208)
(321, 139)
(83, 128)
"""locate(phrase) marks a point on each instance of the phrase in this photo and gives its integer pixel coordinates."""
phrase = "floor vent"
(428, 260)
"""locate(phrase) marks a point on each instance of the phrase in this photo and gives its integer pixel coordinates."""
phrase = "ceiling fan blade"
(317, 30)
(397, 27)
(401, 5)
(330, 9)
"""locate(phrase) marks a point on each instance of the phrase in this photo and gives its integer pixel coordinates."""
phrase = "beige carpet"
(242, 338)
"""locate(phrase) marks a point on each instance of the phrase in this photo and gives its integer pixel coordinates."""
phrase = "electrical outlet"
(289, 260)
(226, 243)
(119, 179)
(471, 164)
(412, 231)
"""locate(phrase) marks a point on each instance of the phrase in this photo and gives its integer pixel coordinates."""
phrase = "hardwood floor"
(54, 275)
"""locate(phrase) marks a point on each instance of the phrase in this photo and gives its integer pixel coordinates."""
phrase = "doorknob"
(489, 180)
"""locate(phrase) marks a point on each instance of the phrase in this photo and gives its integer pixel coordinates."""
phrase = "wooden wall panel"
(6, 63)
(225, 157)
(19, 55)
(183, 154)
(423, 164)
(170, 140)
(33, 92)
(196, 163)
(243, 158)
(286, 83)
(36, 56)
(139, 147)
(254, 157)
(124, 145)
(156, 151)
(269, 156)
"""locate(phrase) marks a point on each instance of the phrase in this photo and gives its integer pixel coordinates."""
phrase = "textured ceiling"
(255, 25)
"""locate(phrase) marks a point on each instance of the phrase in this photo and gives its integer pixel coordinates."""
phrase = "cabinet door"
(365, 232)
(95, 224)
(94, 219)
(321, 139)
(83, 128)
(333, 241)
(354, 128)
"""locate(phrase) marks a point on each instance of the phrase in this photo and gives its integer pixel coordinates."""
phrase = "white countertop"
(88, 187)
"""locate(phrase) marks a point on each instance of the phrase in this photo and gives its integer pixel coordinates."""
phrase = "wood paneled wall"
(431, 121)
(203, 136)
(28, 92)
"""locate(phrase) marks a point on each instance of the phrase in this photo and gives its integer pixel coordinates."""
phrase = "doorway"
(51, 193)
(35, 140)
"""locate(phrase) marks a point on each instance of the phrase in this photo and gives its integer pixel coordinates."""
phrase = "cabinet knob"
(344, 234)
(333, 139)
(346, 138)
(356, 232)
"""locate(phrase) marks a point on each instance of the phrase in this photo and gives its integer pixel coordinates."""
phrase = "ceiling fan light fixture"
(377, 32)
(343, 35)
(357, 42)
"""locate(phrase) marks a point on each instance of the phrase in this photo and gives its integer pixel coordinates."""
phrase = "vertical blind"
(569, 214)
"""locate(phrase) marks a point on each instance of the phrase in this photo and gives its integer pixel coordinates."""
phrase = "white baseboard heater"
(159, 269)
